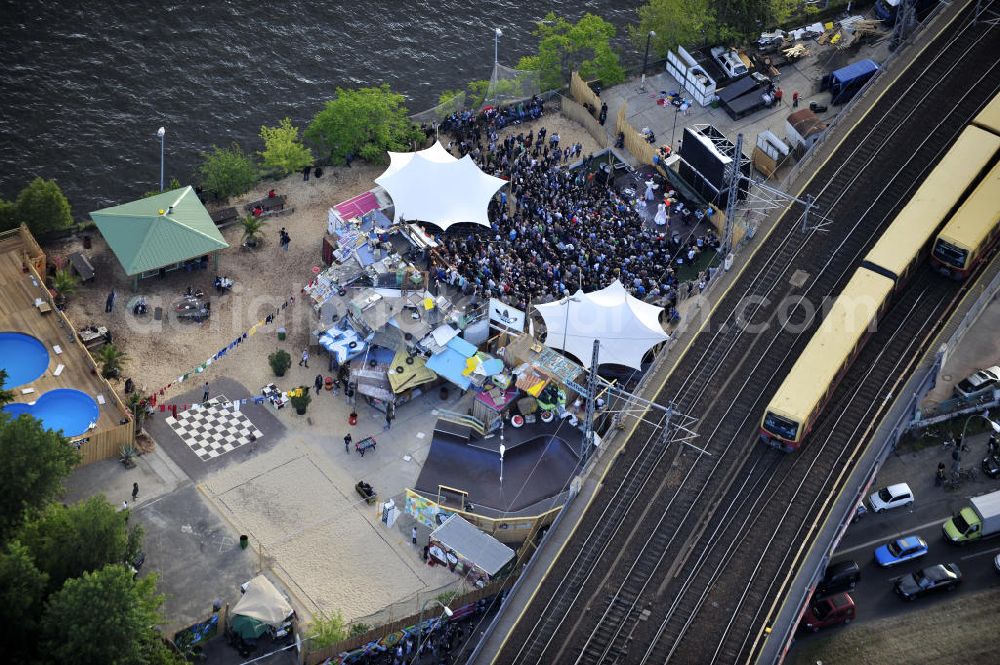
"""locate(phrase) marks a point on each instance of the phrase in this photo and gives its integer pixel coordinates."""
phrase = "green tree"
(675, 22)
(282, 149)
(6, 396)
(111, 359)
(8, 215)
(326, 629)
(105, 618)
(22, 592)
(67, 541)
(584, 46)
(65, 283)
(43, 207)
(252, 227)
(741, 21)
(227, 171)
(172, 185)
(364, 122)
(33, 463)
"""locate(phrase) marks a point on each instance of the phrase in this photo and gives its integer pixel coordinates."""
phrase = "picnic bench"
(224, 217)
(364, 444)
(93, 336)
(82, 266)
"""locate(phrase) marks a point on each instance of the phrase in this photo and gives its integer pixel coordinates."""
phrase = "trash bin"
(244, 542)
(282, 333)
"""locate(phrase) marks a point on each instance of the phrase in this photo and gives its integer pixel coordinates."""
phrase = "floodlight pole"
(569, 299)
(496, 46)
(161, 132)
(588, 425)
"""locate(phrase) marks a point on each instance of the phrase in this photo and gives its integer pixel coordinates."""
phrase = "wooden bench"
(267, 204)
(224, 217)
(82, 266)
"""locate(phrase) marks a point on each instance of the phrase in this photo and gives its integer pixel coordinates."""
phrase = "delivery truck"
(979, 519)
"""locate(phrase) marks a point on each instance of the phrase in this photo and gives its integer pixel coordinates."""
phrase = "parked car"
(830, 611)
(996, 563)
(900, 550)
(945, 576)
(842, 576)
(978, 382)
(991, 466)
(893, 496)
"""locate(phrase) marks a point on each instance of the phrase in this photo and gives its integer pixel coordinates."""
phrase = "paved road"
(932, 506)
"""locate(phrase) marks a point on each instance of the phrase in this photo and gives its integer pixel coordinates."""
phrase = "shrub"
(280, 362)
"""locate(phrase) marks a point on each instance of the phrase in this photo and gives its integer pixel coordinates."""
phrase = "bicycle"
(969, 473)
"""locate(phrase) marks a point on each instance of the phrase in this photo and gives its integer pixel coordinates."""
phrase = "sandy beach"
(160, 351)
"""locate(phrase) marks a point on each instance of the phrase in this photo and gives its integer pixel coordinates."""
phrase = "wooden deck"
(18, 313)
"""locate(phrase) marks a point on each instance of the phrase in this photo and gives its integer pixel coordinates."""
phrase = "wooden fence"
(314, 657)
(577, 113)
(582, 93)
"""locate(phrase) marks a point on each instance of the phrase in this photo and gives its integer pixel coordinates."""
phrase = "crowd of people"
(556, 229)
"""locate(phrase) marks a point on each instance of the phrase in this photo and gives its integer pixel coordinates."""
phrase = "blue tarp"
(854, 70)
(450, 364)
(338, 343)
(466, 349)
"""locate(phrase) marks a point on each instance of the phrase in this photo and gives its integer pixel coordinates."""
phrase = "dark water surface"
(86, 84)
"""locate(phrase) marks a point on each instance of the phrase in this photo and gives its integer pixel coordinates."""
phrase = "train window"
(783, 427)
(950, 254)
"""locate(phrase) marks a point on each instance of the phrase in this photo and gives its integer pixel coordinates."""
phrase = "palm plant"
(111, 359)
(65, 284)
(252, 226)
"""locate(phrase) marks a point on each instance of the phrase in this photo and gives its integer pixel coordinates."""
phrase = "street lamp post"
(993, 424)
(645, 58)
(446, 612)
(568, 300)
(161, 132)
(496, 46)
(503, 449)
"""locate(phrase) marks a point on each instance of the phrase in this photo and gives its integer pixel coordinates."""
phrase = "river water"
(87, 83)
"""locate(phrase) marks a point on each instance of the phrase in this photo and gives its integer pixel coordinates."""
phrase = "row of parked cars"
(832, 603)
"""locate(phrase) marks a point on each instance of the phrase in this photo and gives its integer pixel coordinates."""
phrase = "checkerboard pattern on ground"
(213, 430)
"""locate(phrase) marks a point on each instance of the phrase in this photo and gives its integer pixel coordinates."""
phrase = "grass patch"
(930, 633)
(689, 271)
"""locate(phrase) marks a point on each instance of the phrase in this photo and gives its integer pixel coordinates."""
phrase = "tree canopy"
(282, 149)
(33, 464)
(6, 396)
(41, 205)
(22, 592)
(363, 122)
(675, 22)
(227, 171)
(105, 617)
(584, 46)
(67, 541)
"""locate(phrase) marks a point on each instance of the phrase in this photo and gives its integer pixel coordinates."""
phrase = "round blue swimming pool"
(23, 357)
(63, 409)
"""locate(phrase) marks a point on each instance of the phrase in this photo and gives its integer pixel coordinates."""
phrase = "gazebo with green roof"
(159, 233)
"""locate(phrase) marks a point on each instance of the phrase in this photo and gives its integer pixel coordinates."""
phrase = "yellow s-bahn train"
(793, 411)
(968, 236)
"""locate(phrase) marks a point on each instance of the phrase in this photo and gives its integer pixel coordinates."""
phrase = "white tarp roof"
(626, 326)
(435, 153)
(431, 188)
(482, 549)
(263, 602)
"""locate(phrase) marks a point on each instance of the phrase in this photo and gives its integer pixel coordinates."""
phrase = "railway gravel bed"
(680, 555)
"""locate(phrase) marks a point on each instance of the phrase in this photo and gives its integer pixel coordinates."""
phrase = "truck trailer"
(980, 519)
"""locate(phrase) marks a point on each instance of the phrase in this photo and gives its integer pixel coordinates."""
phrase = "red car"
(830, 611)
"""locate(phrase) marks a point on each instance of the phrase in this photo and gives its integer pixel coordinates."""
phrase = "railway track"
(625, 579)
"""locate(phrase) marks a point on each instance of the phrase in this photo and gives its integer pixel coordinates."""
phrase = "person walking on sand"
(109, 304)
(347, 442)
(319, 383)
(204, 397)
(305, 358)
(795, 99)
(413, 535)
(135, 491)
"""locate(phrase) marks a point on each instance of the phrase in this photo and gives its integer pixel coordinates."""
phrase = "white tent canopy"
(626, 326)
(263, 602)
(432, 186)
(435, 153)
